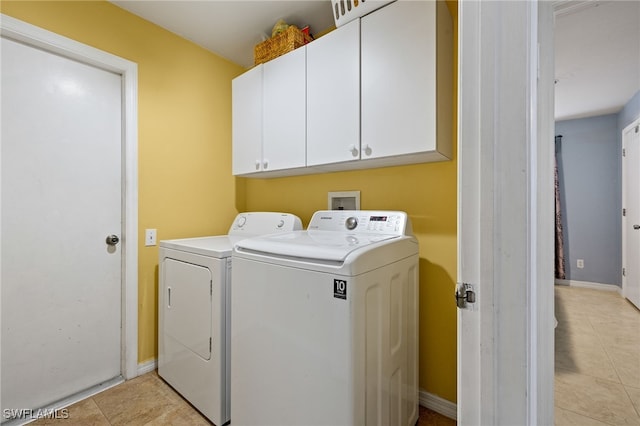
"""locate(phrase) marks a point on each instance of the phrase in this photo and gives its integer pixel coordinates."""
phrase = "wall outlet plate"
(150, 236)
(344, 200)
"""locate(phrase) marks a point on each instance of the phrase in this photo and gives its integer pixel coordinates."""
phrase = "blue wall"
(629, 113)
(590, 174)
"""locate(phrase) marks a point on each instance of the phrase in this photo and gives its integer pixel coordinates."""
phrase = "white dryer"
(193, 311)
(325, 323)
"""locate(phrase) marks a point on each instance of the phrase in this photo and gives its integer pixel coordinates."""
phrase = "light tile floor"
(597, 362)
(147, 400)
(597, 376)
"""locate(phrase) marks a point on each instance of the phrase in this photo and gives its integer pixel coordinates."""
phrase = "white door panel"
(61, 197)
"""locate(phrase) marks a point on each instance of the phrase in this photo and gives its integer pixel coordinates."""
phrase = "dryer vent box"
(347, 200)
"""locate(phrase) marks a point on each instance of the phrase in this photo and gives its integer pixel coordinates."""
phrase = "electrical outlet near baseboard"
(580, 263)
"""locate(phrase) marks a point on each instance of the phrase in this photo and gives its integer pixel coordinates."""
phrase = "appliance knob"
(351, 223)
(241, 221)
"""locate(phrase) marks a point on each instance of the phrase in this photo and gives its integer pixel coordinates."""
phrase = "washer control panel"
(362, 221)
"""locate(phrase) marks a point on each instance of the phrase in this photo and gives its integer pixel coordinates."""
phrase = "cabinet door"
(333, 96)
(284, 143)
(398, 109)
(247, 122)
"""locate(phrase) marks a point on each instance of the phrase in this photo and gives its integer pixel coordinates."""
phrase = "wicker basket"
(285, 42)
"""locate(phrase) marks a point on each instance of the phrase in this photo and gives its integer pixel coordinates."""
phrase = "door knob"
(636, 227)
(112, 240)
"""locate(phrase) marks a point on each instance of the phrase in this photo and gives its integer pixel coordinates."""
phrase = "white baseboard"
(588, 284)
(147, 367)
(437, 404)
(426, 399)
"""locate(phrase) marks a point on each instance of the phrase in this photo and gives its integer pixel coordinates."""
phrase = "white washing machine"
(193, 311)
(325, 323)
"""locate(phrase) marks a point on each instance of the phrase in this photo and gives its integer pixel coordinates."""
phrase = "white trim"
(542, 311)
(588, 284)
(147, 367)
(469, 395)
(505, 181)
(438, 404)
(70, 400)
(34, 36)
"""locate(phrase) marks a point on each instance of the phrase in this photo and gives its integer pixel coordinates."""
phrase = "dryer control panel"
(362, 221)
(260, 223)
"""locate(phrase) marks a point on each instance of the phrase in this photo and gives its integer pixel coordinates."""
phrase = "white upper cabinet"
(375, 92)
(268, 116)
(333, 96)
(405, 109)
(246, 120)
(284, 113)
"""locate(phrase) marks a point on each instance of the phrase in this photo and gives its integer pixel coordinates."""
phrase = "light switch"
(150, 237)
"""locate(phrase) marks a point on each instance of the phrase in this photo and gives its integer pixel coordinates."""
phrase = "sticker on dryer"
(340, 289)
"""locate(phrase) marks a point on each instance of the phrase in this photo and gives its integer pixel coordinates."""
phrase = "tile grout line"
(632, 404)
(587, 416)
(604, 348)
(101, 412)
(624, 386)
(594, 333)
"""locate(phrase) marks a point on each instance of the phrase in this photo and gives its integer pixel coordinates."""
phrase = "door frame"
(505, 212)
(625, 218)
(31, 35)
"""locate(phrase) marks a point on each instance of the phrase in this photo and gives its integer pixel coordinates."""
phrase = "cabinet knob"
(353, 150)
(257, 164)
(366, 149)
(265, 164)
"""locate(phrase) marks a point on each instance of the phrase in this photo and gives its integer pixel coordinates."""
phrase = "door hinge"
(209, 344)
(624, 212)
(624, 272)
(637, 129)
(465, 294)
(624, 152)
(211, 288)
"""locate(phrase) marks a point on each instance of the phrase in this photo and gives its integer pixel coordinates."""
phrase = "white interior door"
(61, 155)
(631, 219)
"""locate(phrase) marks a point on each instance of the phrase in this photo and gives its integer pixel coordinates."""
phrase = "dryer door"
(188, 306)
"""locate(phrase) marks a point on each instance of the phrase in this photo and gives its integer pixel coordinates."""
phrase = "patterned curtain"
(559, 269)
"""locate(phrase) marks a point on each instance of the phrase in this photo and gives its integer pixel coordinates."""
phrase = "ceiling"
(597, 43)
(597, 48)
(231, 28)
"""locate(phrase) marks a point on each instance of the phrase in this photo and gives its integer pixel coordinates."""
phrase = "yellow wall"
(428, 193)
(186, 187)
(184, 137)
